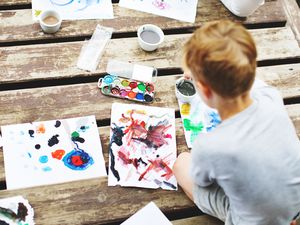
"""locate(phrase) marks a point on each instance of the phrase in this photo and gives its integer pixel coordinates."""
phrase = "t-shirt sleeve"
(261, 90)
(201, 168)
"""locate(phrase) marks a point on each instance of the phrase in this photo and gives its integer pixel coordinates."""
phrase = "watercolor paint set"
(130, 81)
(125, 88)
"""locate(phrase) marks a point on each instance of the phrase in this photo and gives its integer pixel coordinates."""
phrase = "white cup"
(50, 28)
(152, 28)
(185, 96)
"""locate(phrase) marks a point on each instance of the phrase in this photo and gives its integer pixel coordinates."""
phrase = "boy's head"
(222, 55)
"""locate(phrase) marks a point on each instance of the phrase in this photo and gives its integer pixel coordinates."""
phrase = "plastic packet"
(92, 50)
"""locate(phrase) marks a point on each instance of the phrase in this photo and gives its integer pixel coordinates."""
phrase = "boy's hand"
(187, 76)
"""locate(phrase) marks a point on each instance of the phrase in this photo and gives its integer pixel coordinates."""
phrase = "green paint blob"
(75, 134)
(142, 86)
(189, 126)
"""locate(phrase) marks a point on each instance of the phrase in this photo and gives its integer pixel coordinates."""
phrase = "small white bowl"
(184, 96)
(146, 45)
(50, 28)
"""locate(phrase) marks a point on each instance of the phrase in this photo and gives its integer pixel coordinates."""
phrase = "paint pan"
(185, 90)
(125, 88)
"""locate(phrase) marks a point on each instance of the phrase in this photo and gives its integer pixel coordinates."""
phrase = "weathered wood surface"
(293, 111)
(292, 11)
(67, 203)
(56, 61)
(17, 25)
(38, 104)
(93, 202)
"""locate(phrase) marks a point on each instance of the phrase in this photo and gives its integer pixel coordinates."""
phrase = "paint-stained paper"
(75, 9)
(150, 214)
(184, 10)
(197, 118)
(49, 152)
(16, 211)
(142, 146)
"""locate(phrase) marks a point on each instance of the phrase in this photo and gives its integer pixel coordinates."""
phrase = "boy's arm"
(262, 90)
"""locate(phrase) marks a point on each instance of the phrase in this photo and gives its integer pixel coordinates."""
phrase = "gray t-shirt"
(255, 157)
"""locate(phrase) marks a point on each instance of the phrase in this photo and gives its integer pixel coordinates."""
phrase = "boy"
(247, 170)
(242, 8)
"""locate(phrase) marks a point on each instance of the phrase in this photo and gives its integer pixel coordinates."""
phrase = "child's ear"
(204, 88)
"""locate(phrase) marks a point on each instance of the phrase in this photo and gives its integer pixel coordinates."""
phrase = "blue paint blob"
(43, 159)
(140, 96)
(108, 79)
(78, 160)
(47, 169)
(29, 154)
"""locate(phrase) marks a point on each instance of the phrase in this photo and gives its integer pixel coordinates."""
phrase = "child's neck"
(230, 107)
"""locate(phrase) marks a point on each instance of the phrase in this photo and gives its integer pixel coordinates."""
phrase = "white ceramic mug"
(50, 28)
(150, 46)
(181, 96)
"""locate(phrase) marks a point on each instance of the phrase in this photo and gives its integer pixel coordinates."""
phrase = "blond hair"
(223, 55)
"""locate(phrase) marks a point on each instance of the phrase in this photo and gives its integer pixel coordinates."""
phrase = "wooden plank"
(93, 202)
(199, 220)
(17, 25)
(293, 111)
(292, 10)
(66, 101)
(12, 3)
(56, 61)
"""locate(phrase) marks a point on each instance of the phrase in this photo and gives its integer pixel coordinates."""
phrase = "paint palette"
(126, 88)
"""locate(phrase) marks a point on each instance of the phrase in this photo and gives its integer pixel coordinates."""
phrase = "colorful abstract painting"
(51, 152)
(184, 10)
(197, 118)
(16, 211)
(142, 147)
(75, 9)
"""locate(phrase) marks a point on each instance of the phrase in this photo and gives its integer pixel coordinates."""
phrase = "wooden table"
(39, 81)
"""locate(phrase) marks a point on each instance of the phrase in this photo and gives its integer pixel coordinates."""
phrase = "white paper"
(1, 144)
(142, 73)
(75, 9)
(149, 215)
(184, 10)
(142, 147)
(197, 118)
(51, 152)
(12, 203)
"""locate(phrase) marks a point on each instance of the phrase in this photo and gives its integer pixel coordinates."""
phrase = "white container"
(185, 90)
(147, 46)
(50, 28)
(131, 71)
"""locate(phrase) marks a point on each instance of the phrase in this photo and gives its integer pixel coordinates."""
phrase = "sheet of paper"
(150, 214)
(49, 152)
(1, 144)
(184, 10)
(197, 118)
(75, 9)
(20, 207)
(142, 146)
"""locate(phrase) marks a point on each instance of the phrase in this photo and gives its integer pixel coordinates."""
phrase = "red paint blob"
(58, 154)
(133, 85)
(76, 160)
